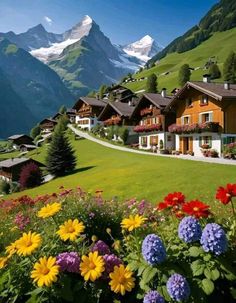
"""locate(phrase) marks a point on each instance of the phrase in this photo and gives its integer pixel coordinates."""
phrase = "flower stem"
(232, 206)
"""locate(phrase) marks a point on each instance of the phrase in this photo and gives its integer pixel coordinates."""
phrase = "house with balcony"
(117, 113)
(152, 121)
(205, 117)
(87, 111)
(47, 125)
(120, 93)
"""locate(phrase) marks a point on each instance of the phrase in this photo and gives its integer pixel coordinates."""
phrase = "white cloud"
(48, 20)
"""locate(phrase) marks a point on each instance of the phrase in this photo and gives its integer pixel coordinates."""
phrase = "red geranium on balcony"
(147, 128)
(194, 128)
(112, 121)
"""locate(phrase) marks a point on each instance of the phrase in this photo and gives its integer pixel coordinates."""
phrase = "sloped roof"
(91, 101)
(123, 109)
(157, 99)
(14, 137)
(214, 90)
(15, 161)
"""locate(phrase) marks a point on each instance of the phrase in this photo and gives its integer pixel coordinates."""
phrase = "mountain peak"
(147, 39)
(37, 28)
(86, 20)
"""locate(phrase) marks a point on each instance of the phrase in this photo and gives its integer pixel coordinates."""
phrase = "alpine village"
(118, 162)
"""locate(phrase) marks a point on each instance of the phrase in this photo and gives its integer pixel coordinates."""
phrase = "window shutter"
(210, 117)
(200, 141)
(200, 118)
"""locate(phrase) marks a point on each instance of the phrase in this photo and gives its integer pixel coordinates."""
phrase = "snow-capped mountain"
(143, 49)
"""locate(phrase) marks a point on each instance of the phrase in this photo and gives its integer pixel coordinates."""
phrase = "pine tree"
(62, 109)
(184, 74)
(151, 86)
(214, 71)
(102, 91)
(35, 131)
(229, 69)
(60, 159)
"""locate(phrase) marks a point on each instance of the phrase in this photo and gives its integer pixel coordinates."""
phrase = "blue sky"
(123, 21)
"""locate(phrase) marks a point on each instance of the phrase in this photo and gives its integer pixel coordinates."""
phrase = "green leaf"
(148, 274)
(207, 273)
(207, 286)
(215, 274)
(195, 251)
(141, 269)
(197, 267)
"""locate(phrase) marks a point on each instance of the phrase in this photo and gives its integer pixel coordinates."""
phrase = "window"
(205, 142)
(206, 117)
(204, 100)
(153, 140)
(185, 120)
(189, 102)
(144, 141)
(169, 138)
(92, 121)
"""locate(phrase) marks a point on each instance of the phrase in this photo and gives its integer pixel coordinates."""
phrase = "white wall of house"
(167, 138)
(88, 122)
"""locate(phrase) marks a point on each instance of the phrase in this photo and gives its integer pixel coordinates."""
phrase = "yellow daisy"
(49, 210)
(45, 271)
(28, 243)
(70, 230)
(11, 249)
(121, 279)
(132, 222)
(3, 262)
(92, 266)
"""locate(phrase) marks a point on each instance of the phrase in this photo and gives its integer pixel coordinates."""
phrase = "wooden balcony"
(212, 127)
(147, 128)
(112, 121)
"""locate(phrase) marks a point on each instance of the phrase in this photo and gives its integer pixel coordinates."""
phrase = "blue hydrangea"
(178, 288)
(189, 230)
(213, 239)
(153, 296)
(153, 250)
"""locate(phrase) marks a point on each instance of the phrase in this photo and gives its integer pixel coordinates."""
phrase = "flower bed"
(147, 128)
(230, 151)
(73, 247)
(194, 128)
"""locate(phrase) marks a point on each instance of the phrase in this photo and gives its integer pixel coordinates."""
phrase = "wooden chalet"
(206, 116)
(117, 113)
(18, 140)
(87, 111)
(27, 147)
(121, 94)
(10, 169)
(152, 121)
(47, 125)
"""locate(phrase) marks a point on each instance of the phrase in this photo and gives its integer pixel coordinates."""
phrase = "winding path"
(129, 150)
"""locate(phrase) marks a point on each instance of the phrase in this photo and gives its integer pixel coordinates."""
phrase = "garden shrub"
(30, 176)
(75, 247)
(4, 187)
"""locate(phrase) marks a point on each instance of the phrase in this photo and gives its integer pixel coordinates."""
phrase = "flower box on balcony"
(112, 121)
(147, 128)
(194, 128)
(146, 111)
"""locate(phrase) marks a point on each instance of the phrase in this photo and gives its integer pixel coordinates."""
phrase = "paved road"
(129, 150)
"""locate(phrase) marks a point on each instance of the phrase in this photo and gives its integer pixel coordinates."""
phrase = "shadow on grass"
(80, 170)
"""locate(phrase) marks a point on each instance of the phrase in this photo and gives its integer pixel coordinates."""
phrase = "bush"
(177, 248)
(4, 187)
(30, 176)
(124, 134)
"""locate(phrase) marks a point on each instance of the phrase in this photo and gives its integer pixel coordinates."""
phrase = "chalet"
(117, 113)
(47, 125)
(120, 93)
(18, 140)
(27, 147)
(152, 121)
(10, 169)
(71, 114)
(206, 116)
(57, 116)
(87, 111)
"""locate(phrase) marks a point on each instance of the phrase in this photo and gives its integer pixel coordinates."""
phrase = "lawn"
(126, 175)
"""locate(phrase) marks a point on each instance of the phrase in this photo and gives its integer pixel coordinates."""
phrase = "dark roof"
(157, 99)
(48, 119)
(91, 101)
(71, 111)
(15, 161)
(214, 90)
(14, 137)
(56, 115)
(123, 109)
(28, 145)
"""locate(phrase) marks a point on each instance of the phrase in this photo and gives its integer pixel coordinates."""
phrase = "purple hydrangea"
(189, 230)
(153, 250)
(214, 239)
(68, 261)
(110, 262)
(153, 296)
(101, 247)
(178, 288)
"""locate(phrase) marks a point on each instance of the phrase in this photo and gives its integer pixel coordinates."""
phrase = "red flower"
(175, 198)
(196, 208)
(162, 205)
(225, 194)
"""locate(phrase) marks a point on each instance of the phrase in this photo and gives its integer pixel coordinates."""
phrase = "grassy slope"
(129, 175)
(219, 45)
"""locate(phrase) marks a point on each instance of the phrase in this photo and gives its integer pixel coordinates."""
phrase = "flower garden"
(76, 247)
